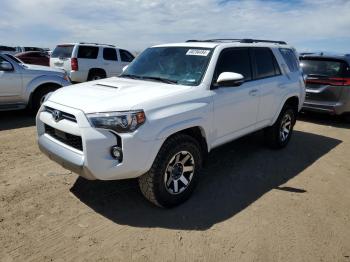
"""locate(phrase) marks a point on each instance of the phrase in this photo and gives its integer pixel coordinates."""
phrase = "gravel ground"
(251, 204)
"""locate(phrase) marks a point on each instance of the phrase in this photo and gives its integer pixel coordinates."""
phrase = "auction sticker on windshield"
(200, 52)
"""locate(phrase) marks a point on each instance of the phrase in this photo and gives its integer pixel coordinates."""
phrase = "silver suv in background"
(327, 83)
(90, 61)
(23, 85)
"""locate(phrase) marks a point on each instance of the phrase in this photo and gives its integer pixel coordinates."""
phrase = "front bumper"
(95, 160)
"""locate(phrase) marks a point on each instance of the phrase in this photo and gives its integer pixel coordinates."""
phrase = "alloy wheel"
(179, 172)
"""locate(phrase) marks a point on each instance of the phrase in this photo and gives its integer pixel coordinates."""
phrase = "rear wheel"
(278, 135)
(174, 173)
(96, 75)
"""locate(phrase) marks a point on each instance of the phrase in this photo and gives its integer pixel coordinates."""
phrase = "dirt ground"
(251, 204)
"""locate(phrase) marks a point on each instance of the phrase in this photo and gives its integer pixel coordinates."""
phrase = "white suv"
(89, 61)
(171, 106)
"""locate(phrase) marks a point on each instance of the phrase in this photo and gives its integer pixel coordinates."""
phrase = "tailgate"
(61, 57)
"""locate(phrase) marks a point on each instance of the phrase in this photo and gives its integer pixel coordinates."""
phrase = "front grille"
(63, 115)
(68, 139)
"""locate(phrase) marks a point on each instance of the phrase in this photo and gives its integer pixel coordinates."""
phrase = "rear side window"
(110, 54)
(64, 51)
(235, 60)
(290, 58)
(324, 67)
(126, 56)
(265, 63)
(88, 52)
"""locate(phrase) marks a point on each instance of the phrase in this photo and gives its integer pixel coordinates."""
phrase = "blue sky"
(309, 25)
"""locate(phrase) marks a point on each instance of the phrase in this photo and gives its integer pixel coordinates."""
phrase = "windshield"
(180, 65)
(62, 51)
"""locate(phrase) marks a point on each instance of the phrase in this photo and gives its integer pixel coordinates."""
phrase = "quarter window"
(235, 60)
(110, 54)
(126, 56)
(88, 52)
(290, 58)
(265, 63)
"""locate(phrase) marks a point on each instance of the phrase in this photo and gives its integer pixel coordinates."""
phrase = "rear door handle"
(253, 92)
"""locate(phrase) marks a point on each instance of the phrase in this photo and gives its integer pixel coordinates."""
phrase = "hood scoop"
(107, 85)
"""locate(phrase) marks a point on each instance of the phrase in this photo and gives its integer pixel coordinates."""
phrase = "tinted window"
(324, 67)
(88, 52)
(235, 60)
(63, 51)
(290, 58)
(110, 54)
(7, 48)
(126, 56)
(264, 62)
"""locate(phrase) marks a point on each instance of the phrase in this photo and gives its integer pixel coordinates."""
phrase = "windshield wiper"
(160, 79)
(131, 76)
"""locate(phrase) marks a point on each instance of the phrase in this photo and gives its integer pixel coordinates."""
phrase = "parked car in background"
(34, 58)
(159, 119)
(21, 49)
(327, 83)
(23, 85)
(7, 50)
(90, 61)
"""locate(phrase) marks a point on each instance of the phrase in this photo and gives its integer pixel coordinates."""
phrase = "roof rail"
(244, 40)
(86, 43)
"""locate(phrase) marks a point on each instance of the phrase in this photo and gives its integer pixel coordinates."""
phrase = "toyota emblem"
(56, 115)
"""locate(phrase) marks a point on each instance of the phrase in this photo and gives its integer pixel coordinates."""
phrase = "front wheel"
(278, 135)
(174, 173)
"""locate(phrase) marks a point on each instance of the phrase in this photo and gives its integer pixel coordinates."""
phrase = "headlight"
(121, 122)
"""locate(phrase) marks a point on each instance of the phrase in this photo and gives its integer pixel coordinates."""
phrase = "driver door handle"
(253, 92)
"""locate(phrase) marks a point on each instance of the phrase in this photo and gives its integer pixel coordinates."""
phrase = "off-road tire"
(152, 183)
(272, 134)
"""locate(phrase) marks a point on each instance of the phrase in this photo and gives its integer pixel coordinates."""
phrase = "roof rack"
(244, 40)
(86, 43)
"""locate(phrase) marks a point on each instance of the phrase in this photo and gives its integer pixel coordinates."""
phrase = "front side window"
(264, 63)
(290, 58)
(181, 65)
(126, 56)
(110, 54)
(236, 60)
(88, 52)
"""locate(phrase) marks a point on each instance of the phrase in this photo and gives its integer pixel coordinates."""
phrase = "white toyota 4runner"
(170, 107)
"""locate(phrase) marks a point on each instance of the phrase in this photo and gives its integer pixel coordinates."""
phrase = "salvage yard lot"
(251, 204)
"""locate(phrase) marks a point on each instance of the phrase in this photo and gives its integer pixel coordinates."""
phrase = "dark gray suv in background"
(327, 83)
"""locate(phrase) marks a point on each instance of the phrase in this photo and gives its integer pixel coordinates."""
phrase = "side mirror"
(125, 67)
(5, 66)
(229, 79)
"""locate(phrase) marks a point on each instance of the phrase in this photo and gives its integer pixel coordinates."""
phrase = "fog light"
(117, 153)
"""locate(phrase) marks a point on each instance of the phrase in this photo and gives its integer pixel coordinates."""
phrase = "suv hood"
(44, 69)
(113, 94)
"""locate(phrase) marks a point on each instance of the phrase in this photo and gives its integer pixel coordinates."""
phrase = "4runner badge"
(56, 115)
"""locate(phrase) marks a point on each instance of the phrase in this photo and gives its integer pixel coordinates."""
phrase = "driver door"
(235, 107)
(10, 84)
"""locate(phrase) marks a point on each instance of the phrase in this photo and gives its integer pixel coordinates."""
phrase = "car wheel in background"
(96, 75)
(39, 96)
